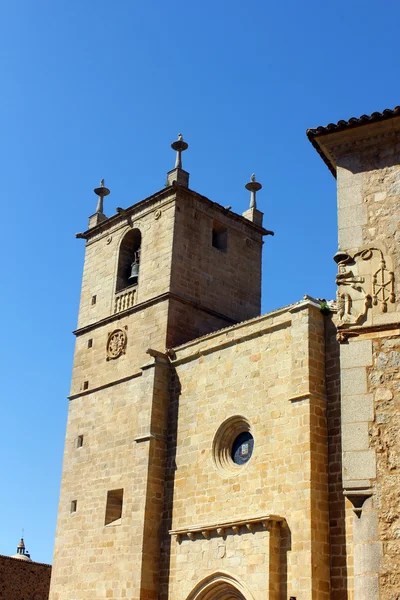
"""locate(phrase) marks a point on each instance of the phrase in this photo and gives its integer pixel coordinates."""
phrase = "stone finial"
(178, 175)
(179, 146)
(253, 186)
(101, 192)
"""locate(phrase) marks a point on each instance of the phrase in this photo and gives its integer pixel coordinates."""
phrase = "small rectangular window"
(74, 505)
(79, 441)
(114, 506)
(90, 343)
(94, 299)
(219, 236)
(85, 385)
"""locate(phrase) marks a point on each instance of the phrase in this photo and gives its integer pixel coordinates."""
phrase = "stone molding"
(306, 396)
(267, 323)
(149, 436)
(146, 304)
(156, 201)
(368, 331)
(222, 528)
(369, 140)
(105, 385)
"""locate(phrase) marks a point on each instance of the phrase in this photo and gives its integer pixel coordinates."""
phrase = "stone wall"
(340, 580)
(23, 580)
(270, 372)
(226, 281)
(368, 174)
(384, 384)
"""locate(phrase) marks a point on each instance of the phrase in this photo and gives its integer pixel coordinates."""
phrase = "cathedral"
(213, 453)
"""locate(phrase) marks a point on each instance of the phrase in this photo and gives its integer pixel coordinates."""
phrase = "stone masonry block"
(352, 215)
(359, 465)
(365, 529)
(350, 237)
(354, 381)
(357, 408)
(355, 436)
(367, 557)
(366, 587)
(356, 354)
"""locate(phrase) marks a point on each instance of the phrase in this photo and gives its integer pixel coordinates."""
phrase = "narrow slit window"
(90, 343)
(115, 500)
(219, 236)
(94, 299)
(79, 441)
(85, 385)
(74, 505)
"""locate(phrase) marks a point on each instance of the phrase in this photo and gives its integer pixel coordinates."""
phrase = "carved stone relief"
(365, 285)
(116, 344)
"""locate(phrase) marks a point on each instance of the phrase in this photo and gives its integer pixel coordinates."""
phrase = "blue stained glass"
(242, 448)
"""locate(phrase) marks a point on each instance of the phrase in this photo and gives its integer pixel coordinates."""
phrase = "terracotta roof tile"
(342, 125)
(354, 122)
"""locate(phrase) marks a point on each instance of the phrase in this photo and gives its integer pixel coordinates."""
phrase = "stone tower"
(215, 453)
(364, 156)
(157, 274)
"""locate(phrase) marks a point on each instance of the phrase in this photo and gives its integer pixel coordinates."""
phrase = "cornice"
(105, 385)
(146, 304)
(223, 528)
(151, 203)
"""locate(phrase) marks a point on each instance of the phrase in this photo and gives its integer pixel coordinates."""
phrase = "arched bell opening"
(220, 586)
(129, 260)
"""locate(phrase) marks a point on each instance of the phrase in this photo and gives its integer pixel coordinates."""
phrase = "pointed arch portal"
(220, 586)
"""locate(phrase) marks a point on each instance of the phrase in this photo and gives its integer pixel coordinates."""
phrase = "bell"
(133, 277)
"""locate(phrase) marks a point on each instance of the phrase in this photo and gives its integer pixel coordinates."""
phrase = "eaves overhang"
(319, 135)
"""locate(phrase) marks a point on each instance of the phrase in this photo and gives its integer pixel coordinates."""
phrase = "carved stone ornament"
(365, 285)
(116, 344)
(221, 551)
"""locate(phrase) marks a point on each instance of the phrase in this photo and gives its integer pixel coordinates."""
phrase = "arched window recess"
(129, 260)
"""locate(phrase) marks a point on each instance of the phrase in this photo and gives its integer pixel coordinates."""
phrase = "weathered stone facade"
(215, 453)
(365, 155)
(20, 580)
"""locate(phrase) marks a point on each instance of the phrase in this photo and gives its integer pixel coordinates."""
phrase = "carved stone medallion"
(116, 344)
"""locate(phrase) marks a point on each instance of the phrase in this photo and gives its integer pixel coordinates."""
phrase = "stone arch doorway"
(220, 586)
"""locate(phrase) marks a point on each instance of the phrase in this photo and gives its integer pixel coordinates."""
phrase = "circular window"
(242, 448)
(233, 446)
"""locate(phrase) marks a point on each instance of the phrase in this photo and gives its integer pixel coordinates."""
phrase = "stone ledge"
(105, 385)
(149, 436)
(306, 396)
(221, 527)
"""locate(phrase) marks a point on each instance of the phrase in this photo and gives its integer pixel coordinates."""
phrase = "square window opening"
(219, 236)
(115, 500)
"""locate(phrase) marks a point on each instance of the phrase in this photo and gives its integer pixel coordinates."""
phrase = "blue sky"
(100, 89)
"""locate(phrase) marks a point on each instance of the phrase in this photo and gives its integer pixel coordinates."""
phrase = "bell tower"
(156, 274)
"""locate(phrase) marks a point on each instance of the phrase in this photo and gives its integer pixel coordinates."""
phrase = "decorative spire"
(253, 186)
(178, 175)
(22, 554)
(101, 192)
(179, 146)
